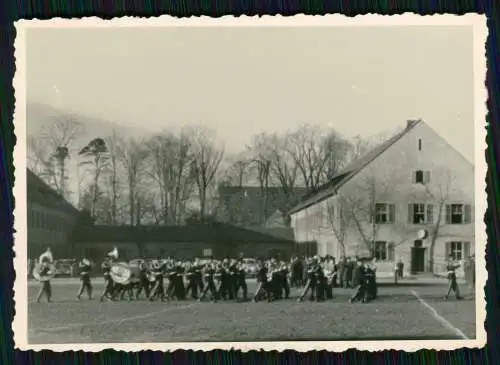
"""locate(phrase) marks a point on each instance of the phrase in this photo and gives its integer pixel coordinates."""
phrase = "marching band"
(224, 280)
(211, 280)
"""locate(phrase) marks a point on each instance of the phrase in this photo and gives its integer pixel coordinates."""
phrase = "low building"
(50, 219)
(411, 198)
(183, 242)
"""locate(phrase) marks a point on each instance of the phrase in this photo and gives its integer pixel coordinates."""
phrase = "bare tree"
(112, 143)
(439, 195)
(133, 154)
(367, 209)
(338, 220)
(237, 169)
(318, 154)
(207, 156)
(171, 157)
(49, 150)
(96, 154)
(260, 155)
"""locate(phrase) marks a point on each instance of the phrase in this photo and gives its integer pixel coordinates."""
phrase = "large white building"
(411, 198)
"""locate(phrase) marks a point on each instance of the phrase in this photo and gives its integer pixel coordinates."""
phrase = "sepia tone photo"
(302, 183)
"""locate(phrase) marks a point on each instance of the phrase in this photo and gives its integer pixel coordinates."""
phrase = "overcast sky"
(243, 81)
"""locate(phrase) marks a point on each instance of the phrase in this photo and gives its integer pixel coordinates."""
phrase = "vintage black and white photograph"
(286, 181)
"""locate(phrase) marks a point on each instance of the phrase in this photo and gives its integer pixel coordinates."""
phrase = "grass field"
(400, 312)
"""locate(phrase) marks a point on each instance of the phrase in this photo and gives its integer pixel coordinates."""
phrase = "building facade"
(410, 199)
(50, 221)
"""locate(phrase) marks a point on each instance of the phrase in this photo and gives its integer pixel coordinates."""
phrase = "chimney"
(410, 123)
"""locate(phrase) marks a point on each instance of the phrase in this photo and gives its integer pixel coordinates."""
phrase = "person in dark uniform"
(221, 281)
(370, 284)
(85, 285)
(158, 268)
(233, 272)
(198, 274)
(108, 291)
(341, 267)
(263, 288)
(208, 274)
(191, 279)
(311, 282)
(179, 289)
(320, 283)
(241, 282)
(452, 279)
(144, 281)
(296, 272)
(284, 272)
(358, 282)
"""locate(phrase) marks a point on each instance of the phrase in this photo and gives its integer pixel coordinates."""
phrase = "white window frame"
(419, 211)
(457, 247)
(387, 246)
(461, 213)
(384, 251)
(385, 213)
(425, 213)
(426, 177)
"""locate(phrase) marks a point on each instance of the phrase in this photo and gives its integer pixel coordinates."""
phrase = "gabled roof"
(330, 188)
(37, 190)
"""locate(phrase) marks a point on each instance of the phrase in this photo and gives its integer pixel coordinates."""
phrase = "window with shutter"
(447, 249)
(392, 213)
(391, 251)
(448, 214)
(427, 177)
(466, 249)
(467, 214)
(418, 213)
(419, 177)
(430, 214)
(410, 213)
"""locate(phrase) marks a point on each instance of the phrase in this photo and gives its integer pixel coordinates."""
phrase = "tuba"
(123, 273)
(44, 271)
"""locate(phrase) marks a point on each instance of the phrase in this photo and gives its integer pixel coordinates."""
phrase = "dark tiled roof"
(331, 187)
(38, 191)
(215, 232)
(246, 204)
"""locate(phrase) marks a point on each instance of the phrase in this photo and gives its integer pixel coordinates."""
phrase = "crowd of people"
(216, 280)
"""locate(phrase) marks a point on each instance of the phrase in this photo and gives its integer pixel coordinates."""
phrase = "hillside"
(39, 115)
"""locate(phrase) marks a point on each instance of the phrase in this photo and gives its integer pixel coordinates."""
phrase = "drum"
(44, 272)
(123, 273)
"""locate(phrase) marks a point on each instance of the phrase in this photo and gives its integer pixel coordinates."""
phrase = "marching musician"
(85, 285)
(221, 281)
(208, 275)
(106, 268)
(452, 278)
(144, 282)
(284, 272)
(263, 286)
(233, 276)
(311, 282)
(191, 279)
(198, 274)
(158, 268)
(46, 261)
(241, 282)
(176, 283)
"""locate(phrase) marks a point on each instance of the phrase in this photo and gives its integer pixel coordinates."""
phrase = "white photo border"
(480, 31)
